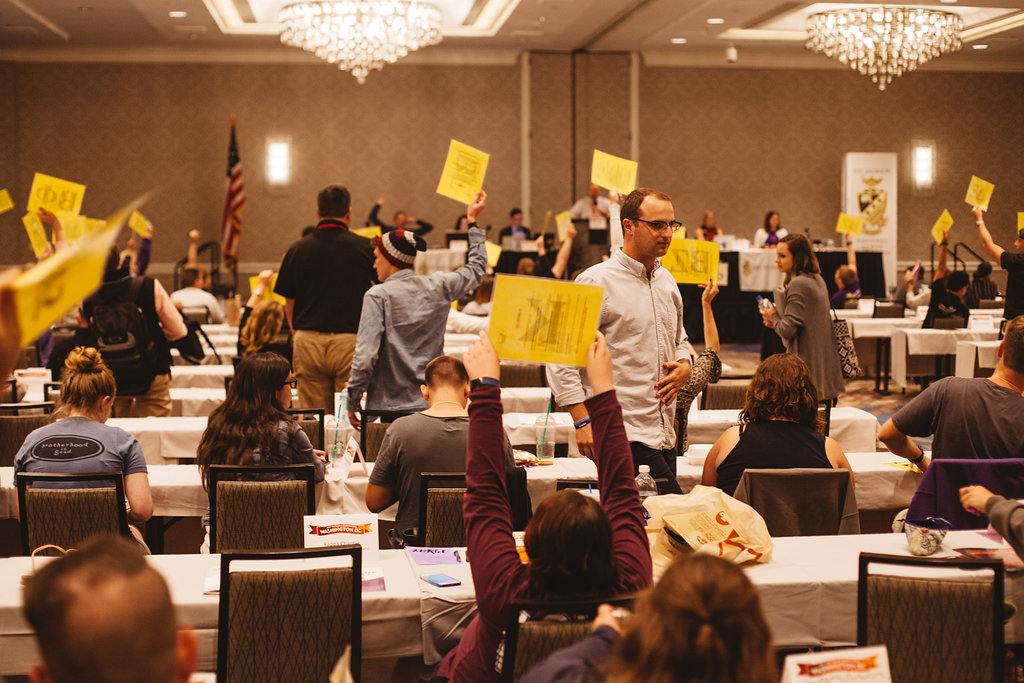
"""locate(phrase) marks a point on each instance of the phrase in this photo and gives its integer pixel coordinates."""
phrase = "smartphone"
(441, 580)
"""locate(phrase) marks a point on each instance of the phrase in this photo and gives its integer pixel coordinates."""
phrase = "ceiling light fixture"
(980, 46)
(884, 42)
(716, 20)
(360, 35)
(177, 14)
(678, 41)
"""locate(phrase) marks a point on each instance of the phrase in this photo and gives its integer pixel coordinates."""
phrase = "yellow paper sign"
(849, 225)
(55, 194)
(1020, 220)
(544, 321)
(562, 223)
(369, 233)
(268, 294)
(463, 174)
(942, 226)
(75, 226)
(692, 261)
(94, 224)
(613, 173)
(547, 222)
(139, 224)
(5, 201)
(493, 252)
(979, 192)
(47, 290)
(36, 232)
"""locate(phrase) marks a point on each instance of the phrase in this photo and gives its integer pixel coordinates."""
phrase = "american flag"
(231, 227)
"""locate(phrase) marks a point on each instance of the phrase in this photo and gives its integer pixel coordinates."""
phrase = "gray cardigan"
(802, 322)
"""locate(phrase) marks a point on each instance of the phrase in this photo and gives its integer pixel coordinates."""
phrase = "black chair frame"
(426, 479)
(47, 407)
(318, 413)
(366, 415)
(704, 394)
(302, 471)
(24, 479)
(827, 405)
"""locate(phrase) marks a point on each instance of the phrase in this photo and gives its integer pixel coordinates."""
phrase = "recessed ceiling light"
(947, 2)
(177, 14)
(678, 41)
(716, 20)
(980, 46)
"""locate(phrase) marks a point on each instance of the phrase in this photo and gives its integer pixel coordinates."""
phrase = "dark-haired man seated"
(103, 615)
(193, 293)
(947, 292)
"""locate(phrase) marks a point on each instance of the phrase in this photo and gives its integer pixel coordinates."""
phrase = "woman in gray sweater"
(801, 318)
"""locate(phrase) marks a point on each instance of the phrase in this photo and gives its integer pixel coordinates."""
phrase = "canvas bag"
(707, 520)
(844, 346)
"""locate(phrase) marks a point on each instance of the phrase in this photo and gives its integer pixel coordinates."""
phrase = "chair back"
(14, 429)
(825, 417)
(289, 624)
(196, 314)
(440, 520)
(851, 304)
(58, 509)
(259, 507)
(28, 357)
(937, 494)
(23, 408)
(885, 309)
(990, 303)
(517, 374)
(956, 323)
(725, 394)
(801, 501)
(936, 627)
(371, 435)
(558, 624)
(311, 421)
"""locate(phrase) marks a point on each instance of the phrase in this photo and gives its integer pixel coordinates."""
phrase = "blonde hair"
(86, 380)
(262, 326)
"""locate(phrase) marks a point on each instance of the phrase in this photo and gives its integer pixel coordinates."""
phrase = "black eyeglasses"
(659, 226)
(293, 382)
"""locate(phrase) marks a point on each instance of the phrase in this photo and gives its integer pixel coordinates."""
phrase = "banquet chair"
(938, 494)
(851, 305)
(957, 323)
(14, 429)
(990, 303)
(801, 501)
(884, 309)
(440, 520)
(375, 424)
(560, 624)
(51, 391)
(725, 394)
(67, 517)
(936, 627)
(198, 314)
(25, 408)
(29, 357)
(311, 421)
(825, 415)
(289, 624)
(517, 374)
(259, 507)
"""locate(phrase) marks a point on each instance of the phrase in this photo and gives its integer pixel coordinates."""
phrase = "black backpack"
(124, 340)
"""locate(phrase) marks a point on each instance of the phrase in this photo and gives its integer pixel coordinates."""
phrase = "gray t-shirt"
(80, 445)
(970, 418)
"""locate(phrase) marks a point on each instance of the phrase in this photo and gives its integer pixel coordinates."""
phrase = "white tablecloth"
(907, 343)
(758, 272)
(855, 430)
(225, 351)
(969, 351)
(880, 327)
(201, 376)
(164, 440)
(195, 402)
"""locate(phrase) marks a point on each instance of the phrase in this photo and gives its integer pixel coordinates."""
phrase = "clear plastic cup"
(545, 430)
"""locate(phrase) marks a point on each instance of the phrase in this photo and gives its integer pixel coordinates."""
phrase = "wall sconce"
(923, 166)
(279, 161)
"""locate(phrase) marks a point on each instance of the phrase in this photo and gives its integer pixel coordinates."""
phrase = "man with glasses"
(642, 320)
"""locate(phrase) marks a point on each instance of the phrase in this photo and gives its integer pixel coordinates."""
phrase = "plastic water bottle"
(646, 486)
(763, 304)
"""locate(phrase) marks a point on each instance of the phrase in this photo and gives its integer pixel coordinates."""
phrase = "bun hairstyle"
(86, 380)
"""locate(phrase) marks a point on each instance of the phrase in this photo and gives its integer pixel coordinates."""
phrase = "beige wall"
(738, 141)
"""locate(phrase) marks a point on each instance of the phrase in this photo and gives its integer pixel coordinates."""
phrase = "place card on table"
(320, 531)
(868, 664)
(433, 555)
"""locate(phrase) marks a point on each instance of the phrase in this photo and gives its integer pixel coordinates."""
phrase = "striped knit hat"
(399, 247)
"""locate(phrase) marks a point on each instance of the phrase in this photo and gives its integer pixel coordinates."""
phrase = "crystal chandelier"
(883, 42)
(360, 35)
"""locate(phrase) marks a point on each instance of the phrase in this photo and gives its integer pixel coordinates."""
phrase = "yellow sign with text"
(1020, 220)
(464, 171)
(942, 226)
(36, 232)
(692, 262)
(544, 321)
(139, 224)
(55, 194)
(613, 173)
(74, 225)
(493, 253)
(369, 233)
(849, 225)
(6, 203)
(268, 294)
(979, 192)
(562, 223)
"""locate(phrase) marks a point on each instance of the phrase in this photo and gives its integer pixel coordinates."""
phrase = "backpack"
(123, 339)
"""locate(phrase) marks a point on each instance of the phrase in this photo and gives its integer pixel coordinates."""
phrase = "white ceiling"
(766, 33)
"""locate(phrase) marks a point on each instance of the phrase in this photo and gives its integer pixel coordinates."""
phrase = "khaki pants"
(322, 364)
(154, 403)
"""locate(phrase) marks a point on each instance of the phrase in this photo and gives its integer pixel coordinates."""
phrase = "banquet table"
(864, 331)
(971, 354)
(201, 376)
(908, 343)
(855, 430)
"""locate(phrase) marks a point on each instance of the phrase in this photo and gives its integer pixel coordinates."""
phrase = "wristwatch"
(480, 381)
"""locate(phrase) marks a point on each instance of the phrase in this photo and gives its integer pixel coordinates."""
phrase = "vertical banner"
(869, 191)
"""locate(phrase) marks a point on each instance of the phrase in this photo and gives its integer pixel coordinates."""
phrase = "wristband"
(480, 381)
(473, 224)
(582, 423)
(918, 460)
(257, 292)
(981, 222)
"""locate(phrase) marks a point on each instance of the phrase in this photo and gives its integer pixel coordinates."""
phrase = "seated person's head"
(446, 380)
(103, 615)
(1013, 344)
(569, 543)
(782, 388)
(526, 266)
(262, 326)
(845, 276)
(194, 277)
(485, 291)
(261, 380)
(702, 618)
(87, 384)
(983, 271)
(957, 282)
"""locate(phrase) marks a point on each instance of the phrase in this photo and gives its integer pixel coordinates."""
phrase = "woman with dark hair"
(981, 286)
(778, 427)
(251, 427)
(577, 547)
(263, 326)
(800, 315)
(769, 236)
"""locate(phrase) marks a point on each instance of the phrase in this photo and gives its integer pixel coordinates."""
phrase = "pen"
(457, 556)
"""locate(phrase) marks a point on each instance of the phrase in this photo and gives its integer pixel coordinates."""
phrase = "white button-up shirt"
(642, 321)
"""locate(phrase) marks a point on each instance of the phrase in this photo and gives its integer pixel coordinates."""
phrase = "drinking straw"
(544, 433)
(337, 430)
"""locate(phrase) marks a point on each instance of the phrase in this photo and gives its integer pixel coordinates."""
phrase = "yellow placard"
(464, 171)
(36, 232)
(75, 225)
(493, 252)
(849, 225)
(613, 173)
(139, 224)
(544, 321)
(979, 192)
(94, 224)
(55, 194)
(562, 223)
(47, 290)
(942, 226)
(1020, 220)
(369, 233)
(268, 294)
(547, 222)
(692, 261)
(6, 204)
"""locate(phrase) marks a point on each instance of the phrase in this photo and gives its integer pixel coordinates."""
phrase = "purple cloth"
(938, 493)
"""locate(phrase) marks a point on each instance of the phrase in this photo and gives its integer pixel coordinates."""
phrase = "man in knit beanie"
(403, 319)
